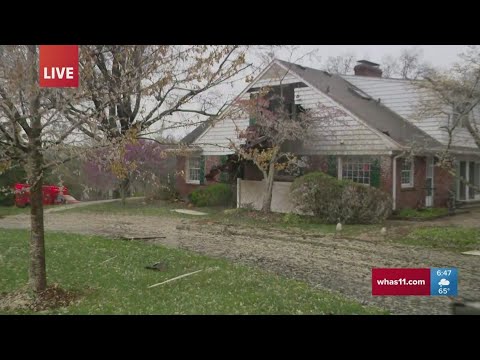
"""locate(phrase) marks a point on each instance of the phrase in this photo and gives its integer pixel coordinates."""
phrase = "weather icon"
(444, 282)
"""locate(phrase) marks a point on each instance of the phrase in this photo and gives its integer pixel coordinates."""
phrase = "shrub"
(332, 200)
(212, 195)
(162, 192)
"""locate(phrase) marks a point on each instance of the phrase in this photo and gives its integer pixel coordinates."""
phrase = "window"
(357, 169)
(407, 173)
(193, 170)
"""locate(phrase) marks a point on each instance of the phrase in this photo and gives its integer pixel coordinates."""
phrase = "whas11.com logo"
(58, 66)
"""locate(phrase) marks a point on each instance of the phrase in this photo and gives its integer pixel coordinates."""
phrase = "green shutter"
(223, 174)
(252, 119)
(202, 169)
(332, 169)
(375, 174)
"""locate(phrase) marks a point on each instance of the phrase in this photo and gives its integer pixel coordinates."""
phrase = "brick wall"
(443, 182)
(406, 197)
(415, 196)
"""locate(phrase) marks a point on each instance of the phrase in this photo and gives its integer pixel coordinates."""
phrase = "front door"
(429, 182)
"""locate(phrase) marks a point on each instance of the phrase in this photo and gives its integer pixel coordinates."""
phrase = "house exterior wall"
(412, 197)
(443, 182)
(343, 135)
(183, 187)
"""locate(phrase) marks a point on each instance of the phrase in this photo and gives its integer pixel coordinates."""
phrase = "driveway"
(327, 262)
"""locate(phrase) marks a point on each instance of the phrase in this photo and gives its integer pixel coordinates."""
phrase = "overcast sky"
(437, 55)
(440, 56)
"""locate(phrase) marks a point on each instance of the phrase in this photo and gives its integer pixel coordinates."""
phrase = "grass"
(225, 216)
(112, 276)
(422, 214)
(133, 207)
(13, 210)
(448, 237)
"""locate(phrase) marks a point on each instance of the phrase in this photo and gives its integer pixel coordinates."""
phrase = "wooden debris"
(141, 237)
(103, 262)
(159, 266)
(175, 278)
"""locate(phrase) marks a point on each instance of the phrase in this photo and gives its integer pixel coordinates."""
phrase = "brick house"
(367, 145)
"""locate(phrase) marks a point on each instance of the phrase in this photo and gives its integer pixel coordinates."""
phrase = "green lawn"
(112, 277)
(447, 237)
(136, 207)
(13, 210)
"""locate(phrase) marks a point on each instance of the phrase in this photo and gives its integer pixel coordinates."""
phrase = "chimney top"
(367, 68)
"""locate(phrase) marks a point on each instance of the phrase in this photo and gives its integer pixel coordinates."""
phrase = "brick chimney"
(367, 68)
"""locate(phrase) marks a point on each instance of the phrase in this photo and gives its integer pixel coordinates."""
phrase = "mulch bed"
(23, 299)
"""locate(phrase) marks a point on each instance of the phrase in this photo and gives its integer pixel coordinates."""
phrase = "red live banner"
(400, 281)
(58, 66)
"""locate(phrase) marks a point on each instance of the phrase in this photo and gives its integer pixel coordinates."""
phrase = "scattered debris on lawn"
(472, 252)
(23, 299)
(103, 262)
(130, 238)
(175, 278)
(189, 212)
(159, 266)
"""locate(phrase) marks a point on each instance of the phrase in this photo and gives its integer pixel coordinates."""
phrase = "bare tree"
(30, 124)
(408, 65)
(132, 88)
(456, 95)
(390, 66)
(280, 131)
(341, 64)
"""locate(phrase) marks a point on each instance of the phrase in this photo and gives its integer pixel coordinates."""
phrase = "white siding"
(216, 140)
(404, 98)
(344, 135)
(274, 76)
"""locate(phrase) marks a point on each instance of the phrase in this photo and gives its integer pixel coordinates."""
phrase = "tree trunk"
(124, 186)
(267, 198)
(37, 270)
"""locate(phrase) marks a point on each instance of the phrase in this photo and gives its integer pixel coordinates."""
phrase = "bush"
(212, 195)
(332, 200)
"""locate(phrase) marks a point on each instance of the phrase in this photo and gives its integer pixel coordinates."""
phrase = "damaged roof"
(371, 111)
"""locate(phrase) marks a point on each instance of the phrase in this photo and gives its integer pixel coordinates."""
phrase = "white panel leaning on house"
(251, 195)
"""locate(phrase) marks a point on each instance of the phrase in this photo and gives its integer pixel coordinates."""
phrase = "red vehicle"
(51, 195)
